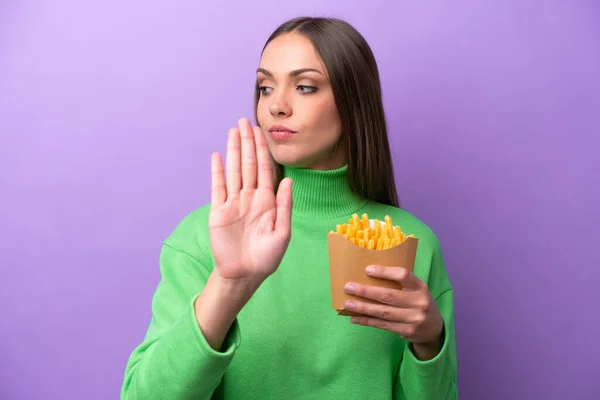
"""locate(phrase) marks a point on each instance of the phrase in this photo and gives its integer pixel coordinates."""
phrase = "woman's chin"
(289, 158)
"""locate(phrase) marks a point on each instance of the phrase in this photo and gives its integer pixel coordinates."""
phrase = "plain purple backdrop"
(109, 111)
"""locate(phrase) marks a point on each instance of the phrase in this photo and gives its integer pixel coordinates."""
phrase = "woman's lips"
(281, 135)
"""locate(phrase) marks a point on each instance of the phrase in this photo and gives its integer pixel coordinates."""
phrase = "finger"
(284, 206)
(233, 175)
(404, 330)
(408, 280)
(219, 191)
(385, 312)
(248, 155)
(265, 166)
(392, 297)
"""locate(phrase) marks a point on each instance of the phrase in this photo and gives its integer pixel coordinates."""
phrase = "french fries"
(379, 235)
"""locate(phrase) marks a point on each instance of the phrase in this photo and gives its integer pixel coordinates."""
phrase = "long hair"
(356, 87)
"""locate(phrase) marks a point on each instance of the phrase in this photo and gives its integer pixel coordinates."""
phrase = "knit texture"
(288, 342)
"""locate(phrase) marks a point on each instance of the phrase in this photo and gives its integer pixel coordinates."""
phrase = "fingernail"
(349, 288)
(350, 305)
(370, 269)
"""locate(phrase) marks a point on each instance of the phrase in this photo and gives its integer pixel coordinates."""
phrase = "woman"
(243, 308)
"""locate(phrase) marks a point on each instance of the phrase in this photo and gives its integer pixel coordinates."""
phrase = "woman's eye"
(306, 89)
(264, 90)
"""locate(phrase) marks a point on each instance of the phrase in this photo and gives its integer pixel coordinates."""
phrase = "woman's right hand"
(249, 226)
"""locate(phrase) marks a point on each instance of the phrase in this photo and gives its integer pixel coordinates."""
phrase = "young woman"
(243, 308)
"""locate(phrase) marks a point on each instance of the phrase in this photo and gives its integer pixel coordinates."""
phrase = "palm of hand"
(249, 226)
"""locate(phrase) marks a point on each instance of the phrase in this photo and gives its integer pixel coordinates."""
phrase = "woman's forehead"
(290, 52)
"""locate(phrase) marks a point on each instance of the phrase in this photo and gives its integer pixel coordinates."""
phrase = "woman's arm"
(426, 374)
(246, 229)
(176, 359)
(433, 378)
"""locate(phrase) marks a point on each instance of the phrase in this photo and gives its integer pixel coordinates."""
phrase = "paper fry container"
(348, 261)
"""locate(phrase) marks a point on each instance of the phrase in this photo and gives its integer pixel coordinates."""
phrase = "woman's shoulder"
(190, 232)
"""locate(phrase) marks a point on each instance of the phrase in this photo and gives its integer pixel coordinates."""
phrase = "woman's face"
(296, 108)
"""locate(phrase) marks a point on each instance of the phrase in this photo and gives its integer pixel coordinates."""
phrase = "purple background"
(109, 111)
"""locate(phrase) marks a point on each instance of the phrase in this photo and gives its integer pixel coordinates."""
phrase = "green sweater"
(288, 342)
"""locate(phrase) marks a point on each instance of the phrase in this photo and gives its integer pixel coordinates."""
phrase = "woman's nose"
(280, 107)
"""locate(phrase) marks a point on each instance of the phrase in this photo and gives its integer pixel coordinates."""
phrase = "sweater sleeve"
(434, 379)
(174, 360)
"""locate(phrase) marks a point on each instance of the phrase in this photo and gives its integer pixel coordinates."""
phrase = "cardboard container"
(348, 261)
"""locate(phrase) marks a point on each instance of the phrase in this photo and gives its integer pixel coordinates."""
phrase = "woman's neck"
(322, 194)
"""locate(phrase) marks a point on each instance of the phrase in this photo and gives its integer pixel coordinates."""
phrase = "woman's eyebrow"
(293, 73)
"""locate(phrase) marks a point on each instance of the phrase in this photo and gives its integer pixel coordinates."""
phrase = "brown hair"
(356, 87)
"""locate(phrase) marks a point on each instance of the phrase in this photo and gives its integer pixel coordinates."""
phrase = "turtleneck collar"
(323, 194)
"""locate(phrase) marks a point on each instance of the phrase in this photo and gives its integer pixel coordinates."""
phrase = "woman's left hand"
(411, 312)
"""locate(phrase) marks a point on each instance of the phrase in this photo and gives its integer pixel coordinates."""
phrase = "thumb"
(284, 206)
